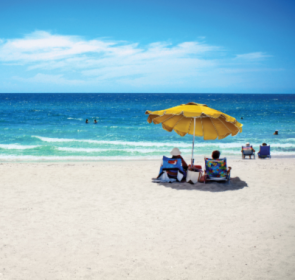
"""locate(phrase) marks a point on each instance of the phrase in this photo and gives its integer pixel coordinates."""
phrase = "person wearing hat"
(248, 145)
(177, 154)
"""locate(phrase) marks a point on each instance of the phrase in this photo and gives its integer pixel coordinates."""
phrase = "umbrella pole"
(192, 164)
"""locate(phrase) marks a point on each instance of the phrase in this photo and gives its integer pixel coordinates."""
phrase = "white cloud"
(73, 60)
(42, 46)
(252, 56)
(49, 79)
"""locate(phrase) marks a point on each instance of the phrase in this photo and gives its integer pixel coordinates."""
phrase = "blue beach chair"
(247, 151)
(264, 152)
(216, 170)
(172, 166)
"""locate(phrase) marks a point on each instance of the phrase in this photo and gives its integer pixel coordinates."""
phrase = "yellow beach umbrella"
(197, 120)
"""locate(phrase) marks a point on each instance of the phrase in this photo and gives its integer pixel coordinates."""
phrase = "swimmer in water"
(276, 132)
(95, 121)
(86, 121)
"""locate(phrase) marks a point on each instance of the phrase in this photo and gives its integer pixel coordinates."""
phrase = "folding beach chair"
(173, 168)
(216, 170)
(247, 151)
(264, 152)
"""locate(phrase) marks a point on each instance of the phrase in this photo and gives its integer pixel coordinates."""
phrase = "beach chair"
(264, 152)
(216, 170)
(247, 151)
(173, 168)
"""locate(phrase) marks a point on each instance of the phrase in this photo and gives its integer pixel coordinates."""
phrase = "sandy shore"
(107, 220)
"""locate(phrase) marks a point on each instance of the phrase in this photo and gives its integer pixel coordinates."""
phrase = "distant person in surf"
(86, 121)
(95, 121)
(276, 132)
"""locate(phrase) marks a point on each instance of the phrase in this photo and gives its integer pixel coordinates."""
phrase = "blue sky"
(185, 46)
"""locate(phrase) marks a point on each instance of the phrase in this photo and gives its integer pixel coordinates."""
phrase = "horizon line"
(137, 93)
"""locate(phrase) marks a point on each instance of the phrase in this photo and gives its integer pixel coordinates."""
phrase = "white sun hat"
(175, 152)
(247, 144)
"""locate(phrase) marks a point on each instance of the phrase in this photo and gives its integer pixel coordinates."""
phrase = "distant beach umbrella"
(197, 120)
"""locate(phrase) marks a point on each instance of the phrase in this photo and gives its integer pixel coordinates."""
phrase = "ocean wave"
(278, 145)
(288, 140)
(17, 158)
(73, 158)
(98, 150)
(140, 143)
(78, 119)
(185, 151)
(17, 147)
(124, 143)
(46, 139)
(162, 145)
(79, 150)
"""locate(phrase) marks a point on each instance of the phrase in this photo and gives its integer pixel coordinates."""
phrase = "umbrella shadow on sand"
(234, 184)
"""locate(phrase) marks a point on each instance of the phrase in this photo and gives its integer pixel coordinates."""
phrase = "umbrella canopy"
(209, 123)
(197, 120)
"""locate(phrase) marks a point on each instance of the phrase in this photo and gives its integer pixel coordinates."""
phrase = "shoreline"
(141, 159)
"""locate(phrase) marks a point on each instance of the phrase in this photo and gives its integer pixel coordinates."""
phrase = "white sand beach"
(108, 220)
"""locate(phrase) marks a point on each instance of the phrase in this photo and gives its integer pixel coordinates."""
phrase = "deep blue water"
(52, 126)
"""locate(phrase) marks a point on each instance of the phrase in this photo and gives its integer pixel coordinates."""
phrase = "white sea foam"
(87, 150)
(123, 143)
(278, 145)
(17, 147)
(95, 150)
(140, 144)
(162, 145)
(73, 158)
(78, 119)
(100, 158)
(288, 140)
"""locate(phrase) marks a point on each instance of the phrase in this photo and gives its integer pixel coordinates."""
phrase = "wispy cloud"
(43, 46)
(252, 56)
(73, 60)
(49, 79)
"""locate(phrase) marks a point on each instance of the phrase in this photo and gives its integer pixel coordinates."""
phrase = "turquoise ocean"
(51, 127)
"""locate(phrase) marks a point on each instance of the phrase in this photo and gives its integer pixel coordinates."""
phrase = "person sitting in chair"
(177, 154)
(172, 167)
(263, 144)
(215, 154)
(248, 145)
(215, 165)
